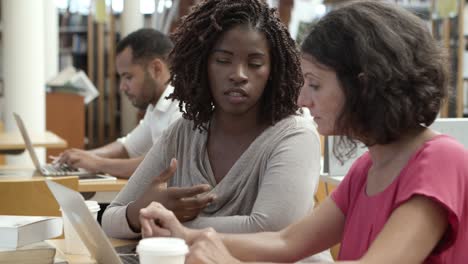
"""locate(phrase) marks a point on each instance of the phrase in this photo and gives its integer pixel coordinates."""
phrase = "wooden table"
(13, 141)
(104, 186)
(102, 192)
(17, 172)
(59, 244)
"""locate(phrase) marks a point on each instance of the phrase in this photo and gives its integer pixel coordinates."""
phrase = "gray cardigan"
(269, 187)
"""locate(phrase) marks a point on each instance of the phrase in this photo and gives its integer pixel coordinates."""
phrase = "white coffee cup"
(73, 243)
(167, 250)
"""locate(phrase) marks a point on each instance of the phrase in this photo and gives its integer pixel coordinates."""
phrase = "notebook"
(54, 169)
(74, 207)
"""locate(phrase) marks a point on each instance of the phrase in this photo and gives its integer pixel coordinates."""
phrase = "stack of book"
(37, 253)
(22, 238)
(71, 80)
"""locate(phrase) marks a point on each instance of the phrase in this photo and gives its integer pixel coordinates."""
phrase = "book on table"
(17, 231)
(35, 253)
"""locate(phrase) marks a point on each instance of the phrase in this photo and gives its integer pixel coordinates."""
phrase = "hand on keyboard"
(78, 158)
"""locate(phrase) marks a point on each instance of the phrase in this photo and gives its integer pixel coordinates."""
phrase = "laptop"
(88, 229)
(54, 169)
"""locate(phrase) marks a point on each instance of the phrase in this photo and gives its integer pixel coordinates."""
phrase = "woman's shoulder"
(180, 129)
(182, 125)
(441, 161)
(443, 148)
(295, 132)
(298, 122)
(446, 142)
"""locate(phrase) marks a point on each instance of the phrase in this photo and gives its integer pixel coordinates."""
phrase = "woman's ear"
(363, 80)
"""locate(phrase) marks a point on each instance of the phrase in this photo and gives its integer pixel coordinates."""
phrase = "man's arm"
(122, 168)
(98, 160)
(114, 150)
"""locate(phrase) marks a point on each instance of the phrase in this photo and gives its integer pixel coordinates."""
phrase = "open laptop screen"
(27, 141)
(88, 229)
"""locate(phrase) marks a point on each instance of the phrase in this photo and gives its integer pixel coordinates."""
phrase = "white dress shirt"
(157, 118)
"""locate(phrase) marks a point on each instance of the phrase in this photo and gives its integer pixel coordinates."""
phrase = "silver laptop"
(54, 169)
(74, 207)
(454, 127)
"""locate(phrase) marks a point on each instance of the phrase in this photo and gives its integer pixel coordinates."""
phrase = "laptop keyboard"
(127, 254)
(58, 170)
(133, 259)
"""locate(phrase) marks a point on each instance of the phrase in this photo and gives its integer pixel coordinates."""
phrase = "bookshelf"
(72, 40)
(448, 28)
(90, 46)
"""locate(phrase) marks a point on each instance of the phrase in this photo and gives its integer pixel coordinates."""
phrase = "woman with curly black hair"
(247, 161)
(195, 43)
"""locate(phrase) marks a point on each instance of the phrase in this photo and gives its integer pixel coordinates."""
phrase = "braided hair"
(194, 40)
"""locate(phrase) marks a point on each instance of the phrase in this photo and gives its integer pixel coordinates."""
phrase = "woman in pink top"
(372, 73)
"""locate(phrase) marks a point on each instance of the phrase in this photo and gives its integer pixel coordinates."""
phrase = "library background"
(46, 43)
(84, 33)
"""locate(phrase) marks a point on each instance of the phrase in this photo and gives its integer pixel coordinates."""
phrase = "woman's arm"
(411, 233)
(114, 220)
(147, 184)
(316, 232)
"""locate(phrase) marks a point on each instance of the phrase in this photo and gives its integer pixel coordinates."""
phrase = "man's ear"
(155, 67)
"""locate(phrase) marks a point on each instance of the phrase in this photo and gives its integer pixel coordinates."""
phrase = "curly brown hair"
(193, 43)
(394, 75)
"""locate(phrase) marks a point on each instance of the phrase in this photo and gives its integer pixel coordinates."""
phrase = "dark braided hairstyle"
(193, 43)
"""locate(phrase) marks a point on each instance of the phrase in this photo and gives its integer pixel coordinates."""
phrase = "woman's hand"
(185, 202)
(156, 220)
(206, 247)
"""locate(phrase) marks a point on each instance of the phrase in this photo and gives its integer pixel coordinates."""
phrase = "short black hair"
(194, 40)
(393, 73)
(146, 44)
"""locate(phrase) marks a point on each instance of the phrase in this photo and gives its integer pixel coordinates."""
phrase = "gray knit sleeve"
(114, 220)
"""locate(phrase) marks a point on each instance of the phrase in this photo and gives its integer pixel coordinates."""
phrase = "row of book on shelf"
(22, 239)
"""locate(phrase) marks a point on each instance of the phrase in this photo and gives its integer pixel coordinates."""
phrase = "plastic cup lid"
(93, 206)
(162, 246)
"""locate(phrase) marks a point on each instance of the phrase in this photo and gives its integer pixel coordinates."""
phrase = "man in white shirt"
(144, 74)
